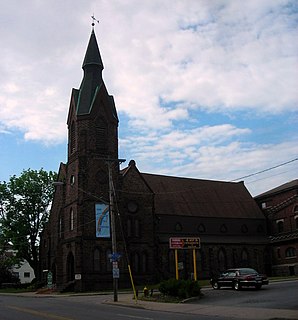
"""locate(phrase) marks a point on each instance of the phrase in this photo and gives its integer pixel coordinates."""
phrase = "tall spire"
(92, 80)
(92, 56)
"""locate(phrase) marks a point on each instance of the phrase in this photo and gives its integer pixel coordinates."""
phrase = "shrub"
(180, 288)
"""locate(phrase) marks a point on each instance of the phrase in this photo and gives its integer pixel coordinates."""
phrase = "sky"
(203, 89)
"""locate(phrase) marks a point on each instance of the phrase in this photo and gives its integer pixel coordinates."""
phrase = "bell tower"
(92, 139)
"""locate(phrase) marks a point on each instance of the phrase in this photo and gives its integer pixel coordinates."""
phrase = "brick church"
(148, 209)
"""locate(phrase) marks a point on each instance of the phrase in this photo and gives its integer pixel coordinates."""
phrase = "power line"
(265, 170)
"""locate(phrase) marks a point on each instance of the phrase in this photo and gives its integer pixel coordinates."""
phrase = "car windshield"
(247, 271)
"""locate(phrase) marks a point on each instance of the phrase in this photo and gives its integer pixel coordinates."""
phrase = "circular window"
(132, 206)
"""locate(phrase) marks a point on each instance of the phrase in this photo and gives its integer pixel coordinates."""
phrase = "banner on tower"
(102, 219)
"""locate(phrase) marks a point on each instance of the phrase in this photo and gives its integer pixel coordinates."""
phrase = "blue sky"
(203, 89)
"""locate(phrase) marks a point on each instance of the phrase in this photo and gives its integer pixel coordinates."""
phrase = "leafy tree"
(6, 265)
(24, 209)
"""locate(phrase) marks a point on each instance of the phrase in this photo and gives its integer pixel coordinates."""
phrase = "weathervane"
(93, 20)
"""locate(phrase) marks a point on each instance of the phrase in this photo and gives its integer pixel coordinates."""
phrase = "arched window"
(61, 226)
(244, 228)
(199, 261)
(171, 262)
(71, 220)
(201, 228)
(135, 262)
(223, 228)
(144, 262)
(178, 226)
(222, 260)
(101, 135)
(280, 226)
(244, 258)
(96, 260)
(290, 252)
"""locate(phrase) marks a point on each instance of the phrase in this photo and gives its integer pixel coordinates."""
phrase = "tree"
(24, 210)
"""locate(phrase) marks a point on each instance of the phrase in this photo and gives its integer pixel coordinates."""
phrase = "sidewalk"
(126, 300)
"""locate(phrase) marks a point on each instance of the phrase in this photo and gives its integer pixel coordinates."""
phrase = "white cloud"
(165, 62)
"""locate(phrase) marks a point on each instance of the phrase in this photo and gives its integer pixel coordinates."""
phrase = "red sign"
(185, 243)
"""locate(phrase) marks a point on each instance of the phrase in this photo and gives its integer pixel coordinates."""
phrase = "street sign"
(50, 280)
(116, 273)
(114, 256)
(185, 243)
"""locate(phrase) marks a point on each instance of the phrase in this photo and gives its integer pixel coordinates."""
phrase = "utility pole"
(113, 226)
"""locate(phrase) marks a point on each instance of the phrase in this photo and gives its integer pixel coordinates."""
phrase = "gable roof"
(202, 198)
(282, 188)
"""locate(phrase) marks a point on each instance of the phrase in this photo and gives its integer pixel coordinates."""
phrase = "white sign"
(78, 276)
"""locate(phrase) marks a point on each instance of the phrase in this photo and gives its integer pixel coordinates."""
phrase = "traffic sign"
(185, 243)
(116, 273)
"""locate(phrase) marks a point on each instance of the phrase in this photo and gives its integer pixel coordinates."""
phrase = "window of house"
(26, 274)
(263, 205)
(71, 219)
(280, 225)
(278, 253)
(290, 252)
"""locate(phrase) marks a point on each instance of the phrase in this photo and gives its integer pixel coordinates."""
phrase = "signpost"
(185, 243)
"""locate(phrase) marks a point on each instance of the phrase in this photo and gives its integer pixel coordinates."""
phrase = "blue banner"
(102, 218)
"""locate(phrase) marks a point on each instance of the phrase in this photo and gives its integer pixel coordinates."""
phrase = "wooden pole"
(176, 264)
(194, 264)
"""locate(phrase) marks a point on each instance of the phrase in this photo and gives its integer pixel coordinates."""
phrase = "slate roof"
(92, 80)
(204, 198)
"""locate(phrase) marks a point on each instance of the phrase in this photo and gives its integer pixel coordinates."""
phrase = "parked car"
(238, 278)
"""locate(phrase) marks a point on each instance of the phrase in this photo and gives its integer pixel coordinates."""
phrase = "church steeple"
(92, 80)
(92, 56)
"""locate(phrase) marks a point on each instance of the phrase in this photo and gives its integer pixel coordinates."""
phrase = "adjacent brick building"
(148, 209)
(280, 206)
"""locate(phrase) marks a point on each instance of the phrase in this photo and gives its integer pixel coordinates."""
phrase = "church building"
(87, 243)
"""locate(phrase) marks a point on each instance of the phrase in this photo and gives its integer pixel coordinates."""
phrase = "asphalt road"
(277, 295)
(268, 303)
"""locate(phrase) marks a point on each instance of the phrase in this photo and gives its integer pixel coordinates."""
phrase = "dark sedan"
(238, 278)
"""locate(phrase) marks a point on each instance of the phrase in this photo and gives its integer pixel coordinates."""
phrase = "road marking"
(40, 314)
(133, 317)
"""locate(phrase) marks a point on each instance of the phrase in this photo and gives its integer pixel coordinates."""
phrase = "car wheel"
(258, 286)
(215, 285)
(236, 285)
